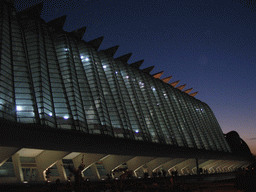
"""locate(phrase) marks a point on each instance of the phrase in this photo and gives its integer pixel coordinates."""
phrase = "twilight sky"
(208, 45)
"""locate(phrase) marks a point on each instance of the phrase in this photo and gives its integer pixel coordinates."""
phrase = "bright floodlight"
(18, 108)
(86, 59)
(65, 117)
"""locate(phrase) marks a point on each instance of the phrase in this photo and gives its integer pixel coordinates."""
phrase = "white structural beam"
(113, 161)
(17, 167)
(221, 167)
(138, 162)
(218, 166)
(6, 153)
(166, 166)
(210, 167)
(206, 163)
(227, 165)
(184, 167)
(151, 165)
(200, 162)
(89, 160)
(61, 171)
(47, 159)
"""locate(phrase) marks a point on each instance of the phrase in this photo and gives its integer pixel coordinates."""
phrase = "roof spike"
(58, 23)
(148, 69)
(34, 10)
(181, 87)
(124, 58)
(79, 33)
(188, 90)
(167, 79)
(194, 94)
(96, 42)
(137, 64)
(174, 83)
(111, 51)
(158, 75)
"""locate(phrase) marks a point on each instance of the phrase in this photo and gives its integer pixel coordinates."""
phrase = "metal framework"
(53, 78)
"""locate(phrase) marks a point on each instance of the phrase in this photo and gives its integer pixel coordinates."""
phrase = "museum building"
(63, 103)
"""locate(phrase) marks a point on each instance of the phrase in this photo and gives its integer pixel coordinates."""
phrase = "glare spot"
(66, 117)
(18, 108)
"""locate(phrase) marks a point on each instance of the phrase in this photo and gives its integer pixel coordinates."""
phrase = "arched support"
(201, 162)
(210, 167)
(61, 171)
(47, 159)
(185, 167)
(137, 162)
(17, 168)
(6, 153)
(89, 161)
(113, 161)
(167, 166)
(155, 163)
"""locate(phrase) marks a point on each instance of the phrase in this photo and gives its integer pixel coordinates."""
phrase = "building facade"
(55, 80)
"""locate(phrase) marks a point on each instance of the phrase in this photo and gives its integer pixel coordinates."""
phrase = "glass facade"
(51, 77)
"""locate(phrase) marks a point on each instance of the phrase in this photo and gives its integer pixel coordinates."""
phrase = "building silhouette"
(63, 103)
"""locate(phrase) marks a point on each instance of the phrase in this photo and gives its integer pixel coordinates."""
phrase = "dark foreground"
(228, 182)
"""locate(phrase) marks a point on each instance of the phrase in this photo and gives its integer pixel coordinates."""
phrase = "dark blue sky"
(208, 45)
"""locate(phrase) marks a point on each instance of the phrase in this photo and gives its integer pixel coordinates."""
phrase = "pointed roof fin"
(194, 94)
(96, 42)
(158, 75)
(167, 79)
(181, 87)
(111, 51)
(174, 83)
(34, 10)
(57, 23)
(137, 64)
(188, 90)
(124, 58)
(79, 33)
(148, 70)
